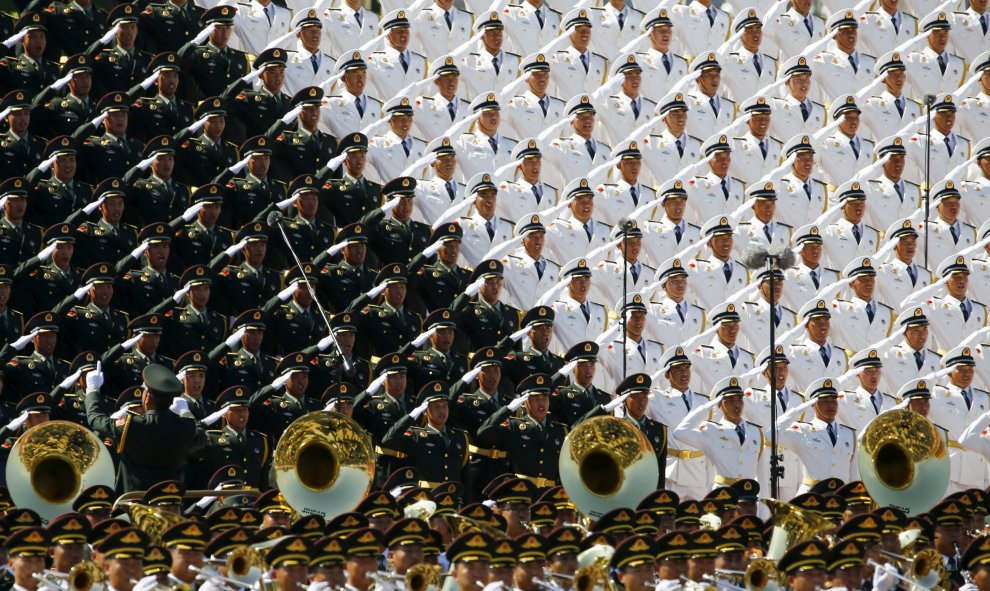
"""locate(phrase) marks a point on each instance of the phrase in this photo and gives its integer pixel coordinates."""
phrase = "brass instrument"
(324, 464)
(547, 584)
(791, 525)
(85, 576)
(911, 583)
(594, 577)
(606, 463)
(51, 463)
(761, 575)
(904, 461)
(925, 568)
(420, 510)
(207, 575)
(462, 524)
(152, 520)
(160, 587)
(720, 583)
(423, 577)
(245, 565)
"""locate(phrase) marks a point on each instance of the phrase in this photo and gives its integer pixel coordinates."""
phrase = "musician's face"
(981, 577)
(292, 577)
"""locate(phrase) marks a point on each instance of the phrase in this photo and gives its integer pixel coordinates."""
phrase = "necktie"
(622, 20)
(495, 65)
(857, 234)
(968, 397)
(804, 111)
(814, 278)
(826, 356)
(899, 102)
(312, 60)
(687, 401)
(918, 360)
(763, 148)
(587, 230)
(955, 232)
(635, 272)
(407, 145)
(493, 144)
(491, 229)
(634, 192)
(714, 105)
(900, 191)
(941, 62)
(775, 315)
(732, 356)
(404, 62)
(634, 103)
(807, 189)
(590, 147)
(678, 232)
(680, 148)
(875, 399)
(949, 145)
(896, 22)
(539, 16)
(451, 110)
(809, 25)
(538, 193)
(545, 104)
(725, 188)
(855, 147)
(451, 189)
(852, 62)
(783, 403)
(741, 433)
(541, 266)
(966, 308)
(711, 15)
(358, 18)
(666, 62)
(680, 309)
(360, 108)
(913, 274)
(584, 62)
(449, 18)
(831, 433)
(727, 271)
(870, 312)
(984, 22)
(268, 12)
(766, 232)
(586, 310)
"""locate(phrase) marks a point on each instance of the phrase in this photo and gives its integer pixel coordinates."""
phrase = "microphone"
(783, 257)
(274, 218)
(626, 223)
(930, 99)
(755, 257)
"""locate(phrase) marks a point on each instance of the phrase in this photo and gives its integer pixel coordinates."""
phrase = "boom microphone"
(274, 218)
(755, 256)
(784, 257)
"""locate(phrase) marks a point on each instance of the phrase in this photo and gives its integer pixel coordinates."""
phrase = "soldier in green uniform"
(33, 410)
(157, 199)
(341, 283)
(45, 280)
(296, 323)
(202, 158)
(95, 325)
(538, 358)
(11, 320)
(197, 243)
(164, 113)
(438, 361)
(569, 404)
(41, 370)
(351, 196)
(169, 25)
(272, 409)
(390, 325)
(234, 443)
(307, 234)
(248, 366)
(74, 26)
(438, 450)
(67, 398)
(249, 284)
(114, 152)
(123, 365)
(469, 410)
(28, 69)
(251, 195)
(377, 411)
(141, 290)
(213, 66)
(326, 368)
(20, 150)
(253, 112)
(63, 115)
(121, 65)
(191, 368)
(19, 240)
(485, 321)
(306, 148)
(531, 442)
(193, 325)
(58, 196)
(395, 238)
(436, 285)
(108, 238)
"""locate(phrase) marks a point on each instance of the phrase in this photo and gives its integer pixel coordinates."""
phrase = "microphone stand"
(626, 226)
(776, 470)
(345, 365)
(929, 101)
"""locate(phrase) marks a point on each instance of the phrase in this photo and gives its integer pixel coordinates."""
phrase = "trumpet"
(547, 584)
(204, 574)
(159, 587)
(85, 576)
(914, 584)
(549, 573)
(925, 568)
(761, 575)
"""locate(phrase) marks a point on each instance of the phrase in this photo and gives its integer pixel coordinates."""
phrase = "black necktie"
(896, 22)
(449, 18)
(584, 62)
(955, 233)
(545, 104)
(678, 233)
(312, 61)
(590, 147)
(900, 191)
(586, 310)
(404, 62)
(727, 271)
(808, 25)
(857, 234)
(357, 17)
(634, 192)
(870, 313)
(783, 403)
(741, 434)
(758, 64)
(495, 65)
(451, 191)
(984, 22)
(913, 274)
(917, 359)
(805, 112)
(666, 62)
(831, 433)
(966, 310)
(711, 16)
(732, 356)
(855, 147)
(622, 20)
(451, 110)
(541, 266)
(763, 148)
(875, 399)
(826, 356)
(635, 273)
(491, 229)
(968, 397)
(360, 107)
(852, 62)
(814, 278)
(942, 62)
(899, 103)
(725, 189)
(539, 17)
(680, 148)
(538, 193)
(680, 310)
(493, 144)
(635, 107)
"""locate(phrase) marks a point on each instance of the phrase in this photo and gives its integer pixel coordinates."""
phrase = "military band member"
(27, 549)
(569, 404)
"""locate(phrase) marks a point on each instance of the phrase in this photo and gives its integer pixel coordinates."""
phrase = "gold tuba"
(245, 564)
(51, 463)
(152, 520)
(594, 576)
(606, 463)
(903, 461)
(791, 525)
(422, 577)
(324, 464)
(761, 575)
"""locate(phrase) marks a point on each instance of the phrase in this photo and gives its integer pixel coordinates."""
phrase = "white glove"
(419, 410)
(291, 115)
(205, 502)
(179, 405)
(140, 250)
(286, 293)
(61, 82)
(280, 381)
(423, 337)
(615, 403)
(320, 586)
(519, 334)
(70, 380)
(235, 338)
(377, 290)
(330, 407)
(969, 587)
(149, 583)
(81, 292)
(16, 423)
(883, 578)
(518, 402)
(94, 379)
(236, 248)
(91, 207)
(496, 586)
(129, 343)
(469, 376)
(147, 162)
(475, 287)
(433, 248)
(177, 298)
(150, 80)
(390, 204)
(285, 203)
(46, 252)
(106, 39)
(324, 343)
(668, 585)
(376, 385)
(119, 414)
(23, 341)
(190, 213)
(210, 419)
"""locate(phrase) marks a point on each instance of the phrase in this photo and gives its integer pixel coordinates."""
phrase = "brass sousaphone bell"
(607, 463)
(324, 464)
(904, 461)
(51, 463)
